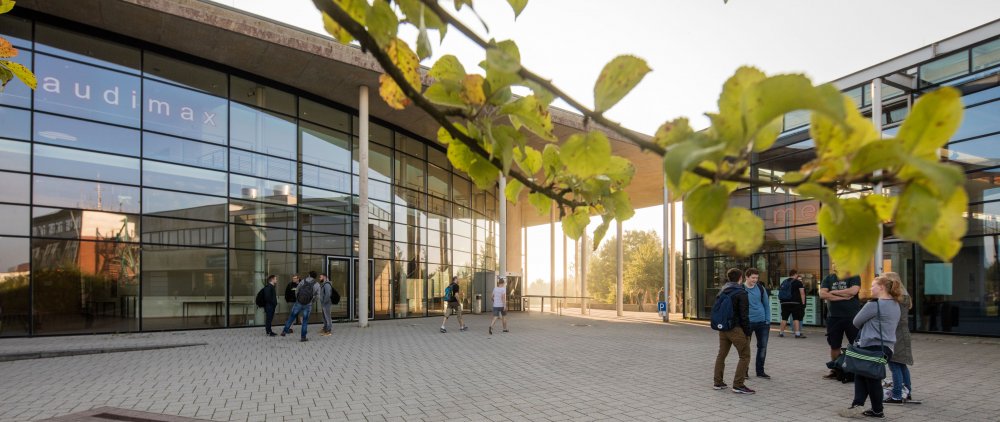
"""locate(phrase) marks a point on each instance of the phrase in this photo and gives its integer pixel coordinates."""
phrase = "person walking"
(793, 303)
(842, 295)
(760, 317)
(453, 302)
(270, 303)
(304, 297)
(325, 303)
(738, 335)
(499, 305)
(290, 290)
(877, 321)
(902, 356)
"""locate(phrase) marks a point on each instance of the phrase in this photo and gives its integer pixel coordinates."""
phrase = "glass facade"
(959, 297)
(146, 192)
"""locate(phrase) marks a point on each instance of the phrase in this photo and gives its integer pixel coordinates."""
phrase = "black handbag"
(864, 362)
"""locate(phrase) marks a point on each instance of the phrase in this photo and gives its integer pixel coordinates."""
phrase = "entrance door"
(343, 273)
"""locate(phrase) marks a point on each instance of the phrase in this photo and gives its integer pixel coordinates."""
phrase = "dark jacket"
(290, 291)
(270, 295)
(741, 305)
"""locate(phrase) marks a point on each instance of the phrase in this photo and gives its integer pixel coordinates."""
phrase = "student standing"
(499, 305)
(759, 312)
(842, 295)
(902, 355)
(270, 303)
(738, 336)
(290, 290)
(794, 306)
(304, 297)
(325, 303)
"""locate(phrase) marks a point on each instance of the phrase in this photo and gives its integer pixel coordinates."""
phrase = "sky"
(691, 45)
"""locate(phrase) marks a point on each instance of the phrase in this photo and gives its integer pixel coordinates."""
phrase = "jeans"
(900, 378)
(865, 387)
(327, 321)
(762, 331)
(727, 339)
(269, 318)
(297, 309)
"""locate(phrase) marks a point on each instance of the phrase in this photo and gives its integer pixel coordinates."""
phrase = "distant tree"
(643, 271)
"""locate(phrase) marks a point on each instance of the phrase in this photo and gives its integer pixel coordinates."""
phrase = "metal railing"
(558, 301)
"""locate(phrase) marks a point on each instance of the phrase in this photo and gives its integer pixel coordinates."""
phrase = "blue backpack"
(723, 314)
(785, 290)
(449, 296)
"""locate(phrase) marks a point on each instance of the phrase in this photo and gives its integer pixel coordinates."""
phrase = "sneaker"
(743, 390)
(283, 333)
(831, 376)
(719, 386)
(491, 331)
(781, 334)
(506, 331)
(327, 333)
(764, 376)
(444, 330)
(291, 331)
(873, 414)
(466, 328)
(800, 336)
(893, 401)
(854, 411)
(304, 339)
(271, 334)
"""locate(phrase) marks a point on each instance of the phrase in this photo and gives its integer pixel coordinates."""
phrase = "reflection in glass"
(182, 112)
(15, 155)
(325, 178)
(15, 123)
(184, 73)
(84, 224)
(171, 231)
(184, 205)
(248, 271)
(328, 200)
(379, 162)
(66, 193)
(84, 286)
(976, 154)
(324, 115)
(961, 296)
(183, 178)
(81, 134)
(253, 93)
(986, 55)
(16, 220)
(410, 172)
(261, 238)
(944, 68)
(85, 165)
(979, 120)
(183, 288)
(75, 89)
(84, 48)
(984, 219)
(462, 191)
(15, 295)
(261, 214)
(325, 222)
(325, 147)
(17, 30)
(182, 151)
(324, 244)
(262, 131)
(262, 189)
(410, 146)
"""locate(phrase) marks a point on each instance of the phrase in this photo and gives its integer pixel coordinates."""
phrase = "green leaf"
(333, 28)
(382, 23)
(419, 15)
(6, 5)
(460, 156)
(541, 202)
(620, 171)
(586, 155)
(576, 222)
(21, 72)
(793, 177)
(885, 154)
(513, 190)
(771, 98)
(446, 94)
(551, 161)
(941, 178)
(357, 9)
(837, 137)
(505, 138)
(504, 57)
(622, 205)
(934, 119)
(686, 155)
(617, 78)
(528, 159)
(528, 112)
(483, 174)
(851, 240)
(704, 206)
(673, 132)
(544, 96)
(945, 239)
(448, 68)
(728, 123)
(816, 191)
(517, 6)
(424, 49)
(5, 77)
(739, 233)
(884, 206)
(767, 134)
(601, 230)
(917, 212)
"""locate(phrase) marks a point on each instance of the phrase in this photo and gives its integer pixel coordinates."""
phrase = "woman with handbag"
(901, 354)
(877, 321)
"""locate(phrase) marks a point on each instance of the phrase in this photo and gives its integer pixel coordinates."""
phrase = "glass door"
(339, 271)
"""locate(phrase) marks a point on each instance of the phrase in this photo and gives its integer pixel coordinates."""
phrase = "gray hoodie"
(883, 315)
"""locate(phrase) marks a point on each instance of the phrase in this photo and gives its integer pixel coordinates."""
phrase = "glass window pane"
(86, 135)
(462, 191)
(984, 219)
(329, 179)
(325, 244)
(183, 232)
(261, 214)
(856, 95)
(262, 131)
(16, 221)
(65, 193)
(438, 181)
(377, 133)
(248, 271)
(76, 46)
(183, 178)
(325, 222)
(944, 68)
(85, 225)
(261, 238)
(959, 297)
(975, 154)
(17, 93)
(183, 205)
(80, 90)
(183, 112)
(17, 30)
(183, 151)
(410, 146)
(15, 293)
(329, 200)
(183, 288)
(90, 287)
(261, 165)
(85, 165)
(379, 161)
(15, 155)
(985, 55)
(325, 147)
(376, 190)
(324, 115)
(979, 120)
(15, 123)
(253, 93)
(184, 73)
(983, 186)
(796, 119)
(262, 189)
(410, 172)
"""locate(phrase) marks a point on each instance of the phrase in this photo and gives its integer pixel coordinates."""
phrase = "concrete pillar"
(565, 273)
(502, 207)
(363, 207)
(667, 254)
(672, 270)
(620, 269)
(584, 257)
(552, 255)
(877, 121)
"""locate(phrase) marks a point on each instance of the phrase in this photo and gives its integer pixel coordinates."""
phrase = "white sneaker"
(852, 412)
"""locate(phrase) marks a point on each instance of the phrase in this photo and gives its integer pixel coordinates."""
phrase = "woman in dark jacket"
(901, 355)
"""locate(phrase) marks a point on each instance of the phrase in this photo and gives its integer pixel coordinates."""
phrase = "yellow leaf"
(472, 90)
(738, 233)
(406, 60)
(6, 5)
(21, 72)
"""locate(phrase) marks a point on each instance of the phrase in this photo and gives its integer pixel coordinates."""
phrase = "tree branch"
(368, 43)
(545, 83)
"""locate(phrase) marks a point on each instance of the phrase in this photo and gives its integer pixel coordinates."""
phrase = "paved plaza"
(548, 368)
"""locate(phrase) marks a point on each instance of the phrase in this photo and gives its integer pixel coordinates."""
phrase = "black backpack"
(723, 314)
(334, 295)
(305, 294)
(785, 290)
(260, 297)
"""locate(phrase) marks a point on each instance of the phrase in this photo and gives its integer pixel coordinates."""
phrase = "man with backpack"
(759, 314)
(730, 317)
(267, 298)
(304, 296)
(452, 301)
(792, 295)
(325, 303)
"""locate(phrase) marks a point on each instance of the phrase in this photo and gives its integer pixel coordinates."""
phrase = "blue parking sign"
(661, 306)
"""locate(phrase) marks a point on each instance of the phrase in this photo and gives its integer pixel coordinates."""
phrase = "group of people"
(880, 325)
(302, 294)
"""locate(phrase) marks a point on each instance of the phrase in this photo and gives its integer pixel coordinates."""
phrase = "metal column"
(877, 121)
(667, 256)
(502, 199)
(584, 252)
(552, 255)
(620, 269)
(363, 207)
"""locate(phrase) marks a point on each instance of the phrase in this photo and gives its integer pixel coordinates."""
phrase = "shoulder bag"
(864, 362)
